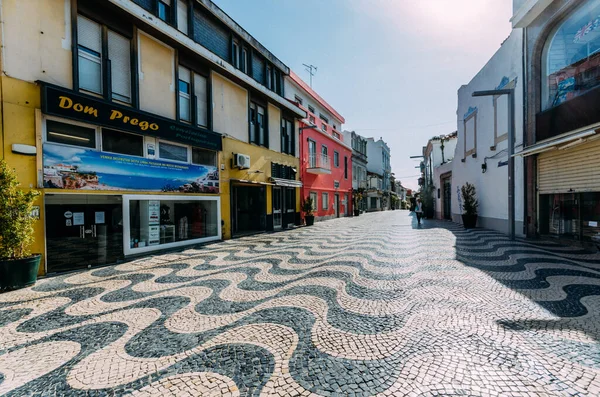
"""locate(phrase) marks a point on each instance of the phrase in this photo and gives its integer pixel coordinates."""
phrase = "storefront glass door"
(83, 231)
(277, 208)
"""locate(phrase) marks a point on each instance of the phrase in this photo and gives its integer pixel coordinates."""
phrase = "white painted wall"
(375, 153)
(492, 186)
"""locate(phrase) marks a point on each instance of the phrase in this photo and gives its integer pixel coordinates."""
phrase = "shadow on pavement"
(564, 280)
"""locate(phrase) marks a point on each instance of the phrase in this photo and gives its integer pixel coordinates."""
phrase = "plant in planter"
(307, 208)
(357, 195)
(18, 267)
(469, 205)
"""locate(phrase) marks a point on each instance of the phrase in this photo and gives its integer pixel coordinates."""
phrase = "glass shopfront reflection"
(159, 222)
(573, 216)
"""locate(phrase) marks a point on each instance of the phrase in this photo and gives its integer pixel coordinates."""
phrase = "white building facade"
(481, 155)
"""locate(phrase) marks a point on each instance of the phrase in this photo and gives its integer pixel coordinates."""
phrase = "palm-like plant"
(469, 196)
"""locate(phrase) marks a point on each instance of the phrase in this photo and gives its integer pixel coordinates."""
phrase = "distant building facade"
(325, 158)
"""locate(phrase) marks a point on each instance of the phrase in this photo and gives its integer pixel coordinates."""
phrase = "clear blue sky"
(392, 68)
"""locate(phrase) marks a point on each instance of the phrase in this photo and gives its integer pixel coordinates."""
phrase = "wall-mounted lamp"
(483, 168)
(24, 149)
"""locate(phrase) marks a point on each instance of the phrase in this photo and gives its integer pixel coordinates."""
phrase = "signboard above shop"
(61, 102)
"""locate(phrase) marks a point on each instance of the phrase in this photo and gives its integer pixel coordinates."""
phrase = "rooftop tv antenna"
(311, 69)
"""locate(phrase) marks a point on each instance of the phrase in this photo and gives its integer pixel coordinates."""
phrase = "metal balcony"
(319, 164)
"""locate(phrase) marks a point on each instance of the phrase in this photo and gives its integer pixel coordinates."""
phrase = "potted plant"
(469, 205)
(18, 267)
(307, 208)
(358, 196)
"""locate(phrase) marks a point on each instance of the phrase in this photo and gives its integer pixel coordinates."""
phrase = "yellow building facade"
(133, 128)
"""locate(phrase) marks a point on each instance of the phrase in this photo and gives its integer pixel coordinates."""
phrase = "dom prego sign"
(57, 101)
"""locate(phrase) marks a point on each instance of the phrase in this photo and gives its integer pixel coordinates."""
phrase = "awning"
(286, 182)
(553, 144)
(247, 182)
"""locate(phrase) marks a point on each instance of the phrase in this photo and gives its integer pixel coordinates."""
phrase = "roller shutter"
(570, 170)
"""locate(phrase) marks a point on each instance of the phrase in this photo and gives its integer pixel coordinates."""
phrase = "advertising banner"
(75, 168)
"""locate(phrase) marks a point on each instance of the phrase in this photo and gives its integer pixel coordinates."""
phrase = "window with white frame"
(91, 59)
(314, 199)
(185, 97)
(204, 157)
(182, 16)
(122, 143)
(336, 159)
(470, 131)
(169, 151)
(325, 199)
(193, 97)
(70, 134)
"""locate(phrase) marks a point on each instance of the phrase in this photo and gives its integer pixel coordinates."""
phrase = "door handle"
(94, 231)
(81, 232)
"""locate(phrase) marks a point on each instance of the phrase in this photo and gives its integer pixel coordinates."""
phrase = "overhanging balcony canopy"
(561, 143)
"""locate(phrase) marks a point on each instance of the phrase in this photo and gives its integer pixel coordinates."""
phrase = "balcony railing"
(319, 164)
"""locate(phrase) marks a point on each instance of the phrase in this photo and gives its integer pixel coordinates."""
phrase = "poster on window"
(154, 212)
(73, 168)
(154, 235)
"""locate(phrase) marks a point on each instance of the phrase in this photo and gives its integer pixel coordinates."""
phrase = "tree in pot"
(307, 208)
(469, 205)
(18, 267)
(357, 195)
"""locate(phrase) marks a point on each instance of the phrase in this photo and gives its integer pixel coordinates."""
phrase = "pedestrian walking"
(419, 210)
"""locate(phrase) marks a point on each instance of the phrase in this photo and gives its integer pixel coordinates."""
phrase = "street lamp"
(511, 150)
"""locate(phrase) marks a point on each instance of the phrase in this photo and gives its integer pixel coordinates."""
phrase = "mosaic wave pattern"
(362, 306)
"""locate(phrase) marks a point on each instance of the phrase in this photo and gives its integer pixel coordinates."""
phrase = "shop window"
(314, 198)
(258, 128)
(156, 223)
(123, 143)
(290, 199)
(167, 151)
(182, 16)
(325, 199)
(70, 134)
(91, 61)
(204, 157)
(336, 159)
(571, 60)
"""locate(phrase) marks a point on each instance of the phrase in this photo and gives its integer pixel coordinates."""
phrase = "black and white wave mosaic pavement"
(362, 306)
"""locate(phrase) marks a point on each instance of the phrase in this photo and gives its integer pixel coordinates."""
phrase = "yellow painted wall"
(20, 99)
(230, 107)
(157, 76)
(274, 124)
(260, 160)
(36, 42)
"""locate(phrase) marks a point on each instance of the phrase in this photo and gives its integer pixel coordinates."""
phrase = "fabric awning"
(286, 182)
(553, 144)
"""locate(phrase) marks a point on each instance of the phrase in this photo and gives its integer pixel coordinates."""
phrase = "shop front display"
(159, 222)
(83, 231)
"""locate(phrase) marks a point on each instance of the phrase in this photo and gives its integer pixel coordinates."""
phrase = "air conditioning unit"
(242, 161)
